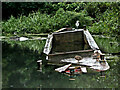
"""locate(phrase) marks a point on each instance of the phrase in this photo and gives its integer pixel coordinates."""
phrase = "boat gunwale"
(68, 31)
(71, 52)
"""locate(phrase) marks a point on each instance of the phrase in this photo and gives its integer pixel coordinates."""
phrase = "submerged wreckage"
(76, 50)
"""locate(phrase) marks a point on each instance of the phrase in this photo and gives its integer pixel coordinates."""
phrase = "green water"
(20, 68)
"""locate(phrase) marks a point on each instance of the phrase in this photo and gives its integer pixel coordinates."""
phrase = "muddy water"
(20, 67)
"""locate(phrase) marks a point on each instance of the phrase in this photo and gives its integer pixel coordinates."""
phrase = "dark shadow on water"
(20, 71)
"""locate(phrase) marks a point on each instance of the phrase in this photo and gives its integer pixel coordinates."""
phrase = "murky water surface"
(20, 67)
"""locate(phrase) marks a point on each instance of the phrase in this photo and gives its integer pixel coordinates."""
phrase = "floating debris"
(39, 62)
(23, 39)
(61, 69)
(17, 38)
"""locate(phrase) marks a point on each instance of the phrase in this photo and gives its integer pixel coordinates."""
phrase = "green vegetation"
(99, 17)
(108, 23)
(42, 23)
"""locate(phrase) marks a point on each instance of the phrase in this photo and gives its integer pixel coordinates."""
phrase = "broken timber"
(61, 69)
(70, 52)
(69, 67)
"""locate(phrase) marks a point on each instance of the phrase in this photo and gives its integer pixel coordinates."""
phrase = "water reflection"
(20, 69)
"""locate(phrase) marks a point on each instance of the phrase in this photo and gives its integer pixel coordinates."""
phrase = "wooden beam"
(62, 53)
(72, 31)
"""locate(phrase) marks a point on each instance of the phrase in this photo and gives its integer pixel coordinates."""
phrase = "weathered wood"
(61, 69)
(76, 30)
(69, 46)
(88, 38)
(48, 44)
(70, 52)
(68, 37)
(62, 29)
(101, 66)
(91, 41)
(39, 62)
(83, 69)
(72, 79)
(41, 34)
(58, 58)
(71, 67)
(70, 60)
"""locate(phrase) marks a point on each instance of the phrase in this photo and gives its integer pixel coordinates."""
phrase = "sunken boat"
(63, 45)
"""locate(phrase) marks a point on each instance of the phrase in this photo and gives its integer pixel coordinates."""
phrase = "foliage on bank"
(52, 16)
(108, 23)
(42, 23)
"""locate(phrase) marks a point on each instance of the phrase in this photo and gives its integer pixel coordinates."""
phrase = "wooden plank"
(61, 53)
(69, 60)
(60, 29)
(83, 69)
(91, 41)
(48, 44)
(61, 69)
(41, 34)
(69, 37)
(68, 31)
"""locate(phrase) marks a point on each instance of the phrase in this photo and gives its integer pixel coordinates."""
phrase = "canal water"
(19, 67)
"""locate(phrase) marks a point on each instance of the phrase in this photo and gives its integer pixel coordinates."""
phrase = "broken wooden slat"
(83, 69)
(69, 60)
(60, 30)
(48, 44)
(71, 67)
(61, 69)
(41, 34)
(61, 53)
(68, 31)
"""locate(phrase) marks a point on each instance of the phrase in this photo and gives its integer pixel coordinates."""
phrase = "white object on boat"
(88, 61)
(60, 69)
(77, 23)
(47, 58)
(83, 69)
(101, 67)
(23, 38)
(71, 67)
(48, 44)
(70, 60)
(91, 41)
